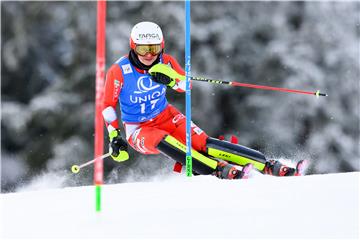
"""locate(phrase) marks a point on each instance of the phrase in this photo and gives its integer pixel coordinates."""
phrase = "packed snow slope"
(317, 206)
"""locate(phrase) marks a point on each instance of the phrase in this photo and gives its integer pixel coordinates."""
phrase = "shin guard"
(176, 150)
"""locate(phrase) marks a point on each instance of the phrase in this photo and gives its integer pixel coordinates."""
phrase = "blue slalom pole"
(188, 90)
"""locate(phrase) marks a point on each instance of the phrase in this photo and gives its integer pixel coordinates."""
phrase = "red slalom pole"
(247, 85)
(99, 95)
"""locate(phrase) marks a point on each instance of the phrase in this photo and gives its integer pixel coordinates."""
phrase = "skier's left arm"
(114, 81)
(176, 83)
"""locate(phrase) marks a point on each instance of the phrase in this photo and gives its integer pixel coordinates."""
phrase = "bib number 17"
(143, 105)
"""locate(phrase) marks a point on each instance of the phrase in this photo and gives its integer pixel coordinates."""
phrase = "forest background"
(48, 82)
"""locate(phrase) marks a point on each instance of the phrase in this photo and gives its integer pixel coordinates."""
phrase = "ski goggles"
(142, 50)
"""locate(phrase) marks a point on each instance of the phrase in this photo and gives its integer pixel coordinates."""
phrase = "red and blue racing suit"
(146, 115)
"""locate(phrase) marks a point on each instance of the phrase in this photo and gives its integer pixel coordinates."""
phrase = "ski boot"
(301, 167)
(224, 170)
(276, 168)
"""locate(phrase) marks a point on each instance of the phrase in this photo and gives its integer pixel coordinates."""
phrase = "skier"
(154, 126)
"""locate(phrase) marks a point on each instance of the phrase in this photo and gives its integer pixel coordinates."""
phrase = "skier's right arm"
(113, 85)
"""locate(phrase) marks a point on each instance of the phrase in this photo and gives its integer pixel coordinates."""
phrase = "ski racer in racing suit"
(154, 126)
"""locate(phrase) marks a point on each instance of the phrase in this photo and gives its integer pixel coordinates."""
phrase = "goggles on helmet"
(142, 50)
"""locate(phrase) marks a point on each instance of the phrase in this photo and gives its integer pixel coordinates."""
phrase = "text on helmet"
(143, 36)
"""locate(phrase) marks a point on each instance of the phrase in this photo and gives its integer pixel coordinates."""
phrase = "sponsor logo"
(149, 36)
(145, 84)
(178, 117)
(126, 68)
(196, 129)
(148, 97)
(135, 135)
(140, 145)
(180, 146)
(224, 155)
(117, 87)
(142, 119)
(142, 142)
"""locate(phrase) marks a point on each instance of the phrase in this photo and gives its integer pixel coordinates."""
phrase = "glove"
(163, 79)
(118, 147)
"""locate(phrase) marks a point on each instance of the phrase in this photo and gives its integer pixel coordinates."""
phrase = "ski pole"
(76, 168)
(165, 69)
(237, 84)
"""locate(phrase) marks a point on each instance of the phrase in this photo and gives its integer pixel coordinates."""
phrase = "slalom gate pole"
(99, 95)
(188, 90)
(247, 85)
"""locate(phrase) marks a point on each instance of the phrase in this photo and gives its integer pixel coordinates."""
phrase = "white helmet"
(146, 33)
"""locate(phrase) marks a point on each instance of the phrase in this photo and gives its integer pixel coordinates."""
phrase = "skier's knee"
(146, 140)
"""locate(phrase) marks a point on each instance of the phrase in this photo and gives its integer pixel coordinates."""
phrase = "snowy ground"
(318, 206)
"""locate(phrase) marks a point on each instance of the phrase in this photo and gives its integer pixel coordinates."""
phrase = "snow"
(316, 206)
